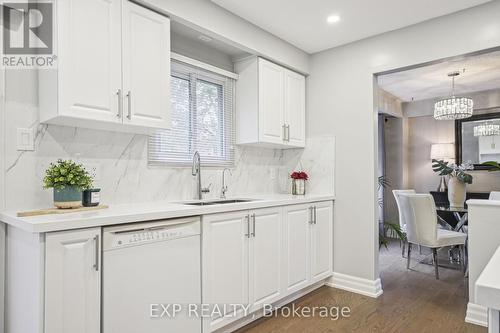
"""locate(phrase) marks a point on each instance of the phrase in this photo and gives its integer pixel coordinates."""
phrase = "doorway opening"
(410, 137)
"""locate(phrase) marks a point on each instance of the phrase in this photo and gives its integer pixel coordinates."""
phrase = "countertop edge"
(176, 210)
(483, 202)
(487, 284)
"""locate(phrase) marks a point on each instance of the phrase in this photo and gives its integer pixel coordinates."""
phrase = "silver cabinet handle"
(120, 103)
(284, 132)
(288, 133)
(253, 225)
(96, 253)
(129, 99)
(247, 218)
(314, 210)
(311, 221)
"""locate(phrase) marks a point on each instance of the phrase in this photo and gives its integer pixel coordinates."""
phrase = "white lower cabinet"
(73, 281)
(321, 241)
(224, 263)
(296, 247)
(259, 257)
(265, 258)
(241, 259)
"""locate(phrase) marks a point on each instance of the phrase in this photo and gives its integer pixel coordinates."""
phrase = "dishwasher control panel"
(149, 234)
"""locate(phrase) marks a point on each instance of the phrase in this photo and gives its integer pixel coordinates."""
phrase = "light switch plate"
(25, 139)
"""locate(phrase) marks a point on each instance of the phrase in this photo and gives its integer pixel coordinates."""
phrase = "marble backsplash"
(125, 176)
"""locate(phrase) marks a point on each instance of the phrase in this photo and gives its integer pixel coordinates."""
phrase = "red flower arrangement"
(299, 175)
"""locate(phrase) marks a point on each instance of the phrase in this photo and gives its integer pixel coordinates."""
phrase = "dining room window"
(202, 120)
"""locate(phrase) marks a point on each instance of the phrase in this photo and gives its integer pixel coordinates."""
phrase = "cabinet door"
(271, 102)
(322, 241)
(295, 108)
(265, 259)
(296, 247)
(224, 263)
(146, 67)
(73, 281)
(89, 58)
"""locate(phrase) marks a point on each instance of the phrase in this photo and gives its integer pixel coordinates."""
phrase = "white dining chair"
(494, 195)
(419, 211)
(402, 223)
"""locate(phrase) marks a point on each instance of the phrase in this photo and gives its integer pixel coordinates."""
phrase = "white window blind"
(202, 120)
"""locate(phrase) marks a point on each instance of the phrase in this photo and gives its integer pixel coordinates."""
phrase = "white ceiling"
(482, 72)
(303, 23)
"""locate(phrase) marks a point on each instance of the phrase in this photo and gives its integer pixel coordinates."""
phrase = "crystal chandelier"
(452, 108)
(486, 130)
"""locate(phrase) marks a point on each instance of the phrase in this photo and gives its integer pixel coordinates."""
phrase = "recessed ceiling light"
(205, 38)
(333, 19)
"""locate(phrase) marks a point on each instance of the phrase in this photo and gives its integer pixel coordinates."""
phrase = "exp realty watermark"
(28, 35)
(168, 311)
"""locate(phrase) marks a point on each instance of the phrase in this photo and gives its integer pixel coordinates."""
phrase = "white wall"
(341, 102)
(219, 23)
(389, 104)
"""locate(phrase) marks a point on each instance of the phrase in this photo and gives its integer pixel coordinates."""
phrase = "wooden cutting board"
(49, 211)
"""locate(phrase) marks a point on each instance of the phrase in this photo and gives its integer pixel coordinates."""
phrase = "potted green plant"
(457, 182)
(68, 179)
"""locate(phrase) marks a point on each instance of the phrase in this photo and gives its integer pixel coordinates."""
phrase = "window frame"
(227, 135)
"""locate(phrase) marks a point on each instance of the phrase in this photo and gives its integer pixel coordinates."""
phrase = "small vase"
(298, 186)
(68, 197)
(456, 192)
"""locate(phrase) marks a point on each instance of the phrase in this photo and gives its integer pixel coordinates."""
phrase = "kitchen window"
(202, 120)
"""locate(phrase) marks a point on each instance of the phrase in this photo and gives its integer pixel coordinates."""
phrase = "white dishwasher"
(148, 269)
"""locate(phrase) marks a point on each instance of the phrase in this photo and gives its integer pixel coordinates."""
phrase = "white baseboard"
(476, 314)
(371, 288)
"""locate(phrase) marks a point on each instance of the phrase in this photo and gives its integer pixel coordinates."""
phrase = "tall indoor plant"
(457, 182)
(68, 179)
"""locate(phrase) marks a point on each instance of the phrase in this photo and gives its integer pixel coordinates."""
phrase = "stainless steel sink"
(217, 202)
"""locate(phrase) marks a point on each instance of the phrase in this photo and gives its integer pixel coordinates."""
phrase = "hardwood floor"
(413, 301)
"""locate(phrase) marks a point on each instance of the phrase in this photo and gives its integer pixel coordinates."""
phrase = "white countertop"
(488, 284)
(140, 212)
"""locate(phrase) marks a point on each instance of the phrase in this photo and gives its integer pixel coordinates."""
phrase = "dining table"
(459, 213)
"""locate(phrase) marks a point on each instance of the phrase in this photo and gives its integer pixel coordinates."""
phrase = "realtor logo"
(28, 30)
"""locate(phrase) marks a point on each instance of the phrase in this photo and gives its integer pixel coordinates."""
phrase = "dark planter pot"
(69, 197)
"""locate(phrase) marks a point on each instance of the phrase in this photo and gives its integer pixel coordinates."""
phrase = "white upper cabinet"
(146, 66)
(113, 69)
(270, 105)
(295, 108)
(89, 67)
